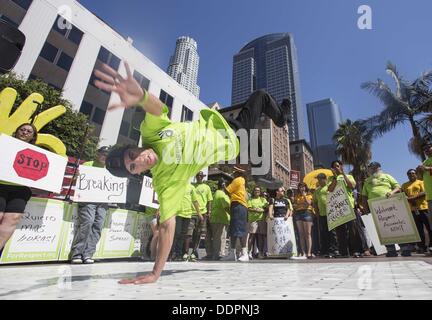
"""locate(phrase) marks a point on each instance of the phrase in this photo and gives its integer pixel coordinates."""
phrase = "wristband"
(144, 99)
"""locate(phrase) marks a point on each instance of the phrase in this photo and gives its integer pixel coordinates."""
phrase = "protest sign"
(25, 164)
(148, 196)
(37, 236)
(281, 239)
(339, 208)
(97, 185)
(393, 220)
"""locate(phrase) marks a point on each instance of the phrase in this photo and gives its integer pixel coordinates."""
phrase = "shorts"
(304, 216)
(257, 227)
(238, 223)
(13, 199)
(195, 223)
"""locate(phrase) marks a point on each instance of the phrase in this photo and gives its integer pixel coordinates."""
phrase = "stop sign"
(31, 164)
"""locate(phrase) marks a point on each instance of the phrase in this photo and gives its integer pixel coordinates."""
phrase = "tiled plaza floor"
(272, 279)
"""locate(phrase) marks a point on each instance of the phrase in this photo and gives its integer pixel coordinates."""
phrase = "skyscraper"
(270, 63)
(324, 118)
(184, 64)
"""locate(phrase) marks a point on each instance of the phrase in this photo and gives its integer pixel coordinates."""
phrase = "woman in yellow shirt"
(303, 217)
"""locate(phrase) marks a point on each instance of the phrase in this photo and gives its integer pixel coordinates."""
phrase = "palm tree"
(353, 144)
(407, 103)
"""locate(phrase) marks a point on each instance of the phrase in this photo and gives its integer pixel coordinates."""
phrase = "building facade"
(184, 64)
(66, 43)
(324, 117)
(302, 159)
(270, 63)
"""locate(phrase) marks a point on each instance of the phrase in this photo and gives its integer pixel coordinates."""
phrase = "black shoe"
(272, 184)
(406, 253)
(392, 254)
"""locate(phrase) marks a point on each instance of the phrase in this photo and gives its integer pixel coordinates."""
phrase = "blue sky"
(335, 57)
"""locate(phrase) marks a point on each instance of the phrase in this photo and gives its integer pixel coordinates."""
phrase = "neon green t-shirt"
(340, 179)
(204, 196)
(259, 203)
(427, 179)
(320, 199)
(187, 209)
(379, 186)
(184, 149)
(220, 208)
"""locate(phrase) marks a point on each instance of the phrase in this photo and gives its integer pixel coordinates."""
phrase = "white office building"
(66, 42)
(184, 64)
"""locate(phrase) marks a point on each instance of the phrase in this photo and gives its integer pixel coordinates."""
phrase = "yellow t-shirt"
(412, 189)
(237, 191)
(300, 203)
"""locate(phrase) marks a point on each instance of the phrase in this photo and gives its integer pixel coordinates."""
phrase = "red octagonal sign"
(31, 164)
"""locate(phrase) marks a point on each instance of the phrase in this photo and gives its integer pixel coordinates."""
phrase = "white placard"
(148, 196)
(30, 166)
(339, 208)
(143, 233)
(119, 232)
(97, 185)
(373, 235)
(280, 237)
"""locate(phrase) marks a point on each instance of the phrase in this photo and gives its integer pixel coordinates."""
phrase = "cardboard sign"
(31, 166)
(281, 239)
(393, 220)
(97, 185)
(294, 179)
(340, 210)
(37, 236)
(148, 196)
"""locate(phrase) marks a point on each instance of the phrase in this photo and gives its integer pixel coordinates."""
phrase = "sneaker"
(193, 257)
(185, 257)
(299, 258)
(76, 261)
(244, 258)
(251, 256)
(89, 261)
(270, 184)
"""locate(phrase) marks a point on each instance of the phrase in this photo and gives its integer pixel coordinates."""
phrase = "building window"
(75, 35)
(187, 114)
(86, 108)
(168, 100)
(107, 57)
(142, 80)
(99, 116)
(65, 61)
(9, 21)
(68, 30)
(25, 4)
(49, 52)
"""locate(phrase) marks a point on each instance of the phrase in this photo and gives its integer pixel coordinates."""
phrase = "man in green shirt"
(176, 152)
(205, 199)
(91, 218)
(257, 224)
(425, 170)
(219, 221)
(327, 238)
(379, 185)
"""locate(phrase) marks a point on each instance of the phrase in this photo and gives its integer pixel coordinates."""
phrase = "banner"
(393, 220)
(37, 237)
(339, 208)
(281, 239)
(97, 185)
(30, 166)
(117, 239)
(148, 196)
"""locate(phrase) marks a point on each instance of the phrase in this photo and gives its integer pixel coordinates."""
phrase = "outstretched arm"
(130, 92)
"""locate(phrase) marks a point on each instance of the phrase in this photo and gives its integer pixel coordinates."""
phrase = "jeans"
(91, 218)
(181, 230)
(328, 243)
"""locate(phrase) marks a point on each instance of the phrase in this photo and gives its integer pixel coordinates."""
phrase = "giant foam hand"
(10, 122)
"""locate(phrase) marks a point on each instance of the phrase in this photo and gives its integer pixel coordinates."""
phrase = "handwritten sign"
(37, 236)
(280, 237)
(393, 220)
(97, 185)
(30, 166)
(340, 210)
(148, 196)
(118, 235)
(143, 232)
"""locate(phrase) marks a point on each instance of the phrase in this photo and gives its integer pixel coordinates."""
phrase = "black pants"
(181, 230)
(348, 238)
(327, 238)
(422, 221)
(361, 232)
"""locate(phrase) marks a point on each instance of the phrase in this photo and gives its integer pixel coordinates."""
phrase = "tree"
(353, 144)
(70, 127)
(407, 103)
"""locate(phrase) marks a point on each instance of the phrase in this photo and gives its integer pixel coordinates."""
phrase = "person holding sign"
(349, 230)
(415, 191)
(303, 217)
(91, 218)
(379, 185)
(327, 238)
(425, 170)
(13, 197)
(257, 223)
(175, 152)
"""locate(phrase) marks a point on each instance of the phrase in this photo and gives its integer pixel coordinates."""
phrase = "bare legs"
(8, 224)
(305, 232)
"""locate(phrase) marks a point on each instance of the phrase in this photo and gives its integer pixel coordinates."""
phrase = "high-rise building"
(184, 64)
(324, 118)
(270, 63)
(64, 50)
(302, 159)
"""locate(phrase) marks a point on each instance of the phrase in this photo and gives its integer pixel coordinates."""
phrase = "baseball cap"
(103, 150)
(114, 162)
